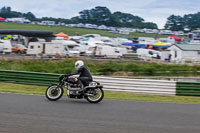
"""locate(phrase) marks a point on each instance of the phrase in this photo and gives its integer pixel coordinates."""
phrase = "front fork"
(66, 85)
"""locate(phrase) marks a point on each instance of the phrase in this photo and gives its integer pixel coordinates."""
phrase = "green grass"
(19, 88)
(72, 31)
(40, 90)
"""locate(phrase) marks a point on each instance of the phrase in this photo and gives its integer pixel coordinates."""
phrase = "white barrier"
(138, 85)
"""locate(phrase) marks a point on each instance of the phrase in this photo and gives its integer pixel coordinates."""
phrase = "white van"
(148, 53)
(71, 47)
(61, 47)
(104, 51)
(1, 47)
(45, 48)
(5, 46)
(84, 46)
(122, 50)
(35, 48)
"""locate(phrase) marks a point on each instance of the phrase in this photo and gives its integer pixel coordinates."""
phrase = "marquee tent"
(176, 38)
(133, 44)
(61, 34)
(159, 44)
(2, 19)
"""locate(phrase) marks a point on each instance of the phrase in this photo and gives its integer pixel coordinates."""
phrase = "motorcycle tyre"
(101, 98)
(51, 99)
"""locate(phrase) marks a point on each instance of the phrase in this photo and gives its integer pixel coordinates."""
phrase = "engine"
(72, 92)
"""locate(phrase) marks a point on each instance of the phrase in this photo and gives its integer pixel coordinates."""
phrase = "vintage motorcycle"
(93, 91)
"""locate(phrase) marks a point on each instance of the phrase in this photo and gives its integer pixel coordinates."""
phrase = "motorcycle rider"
(84, 77)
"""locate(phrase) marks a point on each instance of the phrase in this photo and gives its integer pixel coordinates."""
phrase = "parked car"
(148, 53)
(19, 49)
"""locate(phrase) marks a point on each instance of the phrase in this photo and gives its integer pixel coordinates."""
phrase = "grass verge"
(40, 90)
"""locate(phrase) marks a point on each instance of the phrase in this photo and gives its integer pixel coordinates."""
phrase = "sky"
(156, 11)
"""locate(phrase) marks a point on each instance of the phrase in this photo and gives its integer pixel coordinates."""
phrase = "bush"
(102, 68)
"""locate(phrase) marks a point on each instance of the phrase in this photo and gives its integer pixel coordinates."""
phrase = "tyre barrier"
(146, 86)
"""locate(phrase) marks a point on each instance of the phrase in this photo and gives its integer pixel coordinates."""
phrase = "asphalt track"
(35, 114)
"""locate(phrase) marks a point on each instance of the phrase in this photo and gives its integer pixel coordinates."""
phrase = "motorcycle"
(93, 91)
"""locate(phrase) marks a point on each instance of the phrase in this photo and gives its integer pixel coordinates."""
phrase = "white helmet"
(79, 64)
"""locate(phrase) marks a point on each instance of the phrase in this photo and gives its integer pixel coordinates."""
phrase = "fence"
(188, 89)
(23, 77)
(114, 84)
(138, 85)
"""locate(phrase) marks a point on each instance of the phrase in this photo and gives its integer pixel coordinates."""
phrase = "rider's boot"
(82, 88)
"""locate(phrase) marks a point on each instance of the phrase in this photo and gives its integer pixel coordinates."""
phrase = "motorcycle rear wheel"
(95, 95)
(54, 92)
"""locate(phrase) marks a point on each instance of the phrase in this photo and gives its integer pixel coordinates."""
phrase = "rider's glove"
(63, 76)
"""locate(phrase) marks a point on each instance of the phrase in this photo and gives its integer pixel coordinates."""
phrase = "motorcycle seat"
(87, 83)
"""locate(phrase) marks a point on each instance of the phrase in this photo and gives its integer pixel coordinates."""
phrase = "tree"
(127, 20)
(150, 25)
(29, 16)
(6, 12)
(103, 16)
(5, 9)
(175, 23)
(189, 21)
(98, 15)
(192, 21)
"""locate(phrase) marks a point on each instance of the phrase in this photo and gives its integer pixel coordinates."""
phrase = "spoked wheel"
(95, 95)
(54, 92)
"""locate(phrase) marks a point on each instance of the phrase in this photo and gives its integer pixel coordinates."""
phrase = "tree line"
(103, 16)
(6, 12)
(188, 22)
(98, 15)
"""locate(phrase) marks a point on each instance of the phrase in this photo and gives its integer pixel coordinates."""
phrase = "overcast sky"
(156, 11)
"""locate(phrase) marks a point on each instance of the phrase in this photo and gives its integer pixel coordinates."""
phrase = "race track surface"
(35, 114)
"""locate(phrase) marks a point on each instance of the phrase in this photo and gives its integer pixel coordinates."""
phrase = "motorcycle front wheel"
(54, 92)
(95, 95)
